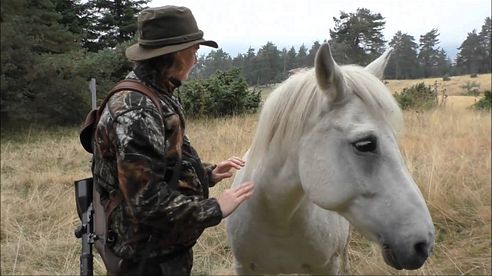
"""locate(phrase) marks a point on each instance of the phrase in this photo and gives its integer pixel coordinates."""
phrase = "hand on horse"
(231, 198)
(223, 169)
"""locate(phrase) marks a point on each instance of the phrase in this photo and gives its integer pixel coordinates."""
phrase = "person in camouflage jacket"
(145, 155)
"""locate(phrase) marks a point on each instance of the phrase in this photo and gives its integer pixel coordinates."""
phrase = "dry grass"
(453, 86)
(448, 151)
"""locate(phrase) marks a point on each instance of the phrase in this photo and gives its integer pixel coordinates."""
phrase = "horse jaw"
(378, 65)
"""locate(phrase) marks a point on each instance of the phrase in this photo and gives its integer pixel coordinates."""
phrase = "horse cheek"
(324, 178)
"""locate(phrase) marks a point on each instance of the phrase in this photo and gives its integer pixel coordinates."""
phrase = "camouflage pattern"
(137, 151)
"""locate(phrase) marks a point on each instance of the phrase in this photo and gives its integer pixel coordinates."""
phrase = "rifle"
(85, 209)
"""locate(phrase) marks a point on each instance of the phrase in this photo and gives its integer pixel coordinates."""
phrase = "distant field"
(453, 86)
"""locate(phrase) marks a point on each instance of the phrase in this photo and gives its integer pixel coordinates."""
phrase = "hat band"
(154, 43)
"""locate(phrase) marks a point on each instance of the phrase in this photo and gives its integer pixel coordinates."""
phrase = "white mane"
(287, 109)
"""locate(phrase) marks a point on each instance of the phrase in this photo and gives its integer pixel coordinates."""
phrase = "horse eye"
(368, 144)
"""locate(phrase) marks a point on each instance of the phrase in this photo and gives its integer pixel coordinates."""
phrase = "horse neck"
(278, 192)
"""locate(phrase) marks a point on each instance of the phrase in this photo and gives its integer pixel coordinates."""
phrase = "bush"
(484, 103)
(471, 88)
(224, 93)
(417, 97)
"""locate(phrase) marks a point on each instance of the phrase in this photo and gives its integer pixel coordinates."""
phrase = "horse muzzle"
(408, 257)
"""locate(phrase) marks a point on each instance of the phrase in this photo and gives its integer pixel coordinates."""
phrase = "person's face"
(185, 60)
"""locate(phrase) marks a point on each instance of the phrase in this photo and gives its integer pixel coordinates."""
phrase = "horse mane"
(288, 107)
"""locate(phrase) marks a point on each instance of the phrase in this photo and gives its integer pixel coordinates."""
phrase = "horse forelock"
(374, 94)
(287, 109)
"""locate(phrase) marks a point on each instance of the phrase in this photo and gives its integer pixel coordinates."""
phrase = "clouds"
(244, 23)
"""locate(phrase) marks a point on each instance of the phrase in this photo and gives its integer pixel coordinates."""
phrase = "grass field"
(447, 150)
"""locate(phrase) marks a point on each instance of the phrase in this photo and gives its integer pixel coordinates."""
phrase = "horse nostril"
(421, 248)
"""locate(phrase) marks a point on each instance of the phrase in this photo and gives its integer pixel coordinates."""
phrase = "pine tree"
(359, 35)
(485, 37)
(291, 58)
(428, 53)
(250, 68)
(312, 54)
(470, 53)
(73, 16)
(38, 61)
(111, 22)
(403, 61)
(302, 57)
(216, 60)
(269, 64)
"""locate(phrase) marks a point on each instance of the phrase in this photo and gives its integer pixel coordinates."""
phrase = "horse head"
(350, 162)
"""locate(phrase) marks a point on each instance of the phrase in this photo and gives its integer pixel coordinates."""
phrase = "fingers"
(223, 168)
(237, 160)
(244, 188)
(232, 198)
(233, 162)
(223, 175)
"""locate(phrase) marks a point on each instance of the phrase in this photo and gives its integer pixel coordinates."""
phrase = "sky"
(237, 25)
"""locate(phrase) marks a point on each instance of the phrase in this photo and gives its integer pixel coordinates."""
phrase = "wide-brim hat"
(165, 30)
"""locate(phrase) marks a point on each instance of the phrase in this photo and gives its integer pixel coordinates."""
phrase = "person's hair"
(157, 69)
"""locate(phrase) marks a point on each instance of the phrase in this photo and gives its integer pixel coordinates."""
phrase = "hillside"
(453, 86)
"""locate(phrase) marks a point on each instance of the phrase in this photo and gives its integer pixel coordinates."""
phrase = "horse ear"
(328, 74)
(378, 65)
(325, 67)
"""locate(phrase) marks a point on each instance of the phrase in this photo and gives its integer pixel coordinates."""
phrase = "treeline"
(357, 39)
(50, 49)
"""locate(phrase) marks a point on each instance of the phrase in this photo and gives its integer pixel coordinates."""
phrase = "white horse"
(325, 155)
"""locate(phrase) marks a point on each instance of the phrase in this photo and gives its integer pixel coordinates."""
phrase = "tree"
(216, 60)
(111, 22)
(312, 54)
(470, 53)
(443, 63)
(357, 37)
(428, 53)
(403, 61)
(250, 68)
(302, 56)
(73, 16)
(38, 55)
(484, 38)
(291, 58)
(44, 69)
(269, 64)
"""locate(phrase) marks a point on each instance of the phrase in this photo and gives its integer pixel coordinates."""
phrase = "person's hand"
(223, 169)
(231, 198)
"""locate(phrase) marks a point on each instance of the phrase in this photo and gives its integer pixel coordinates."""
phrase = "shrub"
(484, 103)
(472, 88)
(224, 93)
(417, 97)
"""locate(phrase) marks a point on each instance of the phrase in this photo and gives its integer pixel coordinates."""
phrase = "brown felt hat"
(166, 30)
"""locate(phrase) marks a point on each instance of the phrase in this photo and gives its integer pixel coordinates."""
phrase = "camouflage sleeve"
(141, 166)
(208, 170)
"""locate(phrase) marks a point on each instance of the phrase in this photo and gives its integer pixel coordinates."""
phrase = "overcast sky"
(238, 24)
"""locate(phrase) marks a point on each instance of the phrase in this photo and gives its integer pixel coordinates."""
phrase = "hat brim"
(136, 52)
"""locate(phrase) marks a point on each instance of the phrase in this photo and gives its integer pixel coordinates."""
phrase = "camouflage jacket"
(137, 151)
